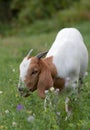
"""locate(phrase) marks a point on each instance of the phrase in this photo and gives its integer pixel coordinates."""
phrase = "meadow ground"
(18, 113)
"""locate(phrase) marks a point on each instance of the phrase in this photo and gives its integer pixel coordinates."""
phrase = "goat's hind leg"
(72, 94)
(80, 84)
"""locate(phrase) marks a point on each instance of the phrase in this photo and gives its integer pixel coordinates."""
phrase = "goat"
(65, 65)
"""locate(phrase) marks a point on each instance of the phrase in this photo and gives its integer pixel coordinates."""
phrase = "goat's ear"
(45, 82)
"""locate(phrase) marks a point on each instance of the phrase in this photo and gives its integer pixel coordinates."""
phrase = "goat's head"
(34, 74)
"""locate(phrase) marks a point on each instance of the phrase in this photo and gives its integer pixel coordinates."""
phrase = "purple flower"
(19, 107)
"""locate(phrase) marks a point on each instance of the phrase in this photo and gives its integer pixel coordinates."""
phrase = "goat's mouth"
(25, 92)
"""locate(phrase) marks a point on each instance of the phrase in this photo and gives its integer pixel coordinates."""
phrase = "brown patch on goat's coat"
(58, 82)
(48, 77)
(45, 77)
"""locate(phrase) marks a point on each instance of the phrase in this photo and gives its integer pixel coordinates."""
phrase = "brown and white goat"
(64, 65)
(41, 75)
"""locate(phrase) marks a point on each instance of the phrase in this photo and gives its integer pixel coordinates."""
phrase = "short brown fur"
(45, 76)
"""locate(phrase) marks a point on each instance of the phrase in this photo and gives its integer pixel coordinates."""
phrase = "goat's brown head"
(34, 74)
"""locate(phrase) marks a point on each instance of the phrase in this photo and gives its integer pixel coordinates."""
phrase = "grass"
(31, 115)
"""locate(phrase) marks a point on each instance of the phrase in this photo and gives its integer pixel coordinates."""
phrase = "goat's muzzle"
(24, 91)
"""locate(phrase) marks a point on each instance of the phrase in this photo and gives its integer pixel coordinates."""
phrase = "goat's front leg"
(67, 108)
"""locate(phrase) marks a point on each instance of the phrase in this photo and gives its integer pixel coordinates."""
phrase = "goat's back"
(69, 53)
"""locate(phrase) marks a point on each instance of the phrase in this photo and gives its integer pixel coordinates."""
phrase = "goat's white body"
(70, 55)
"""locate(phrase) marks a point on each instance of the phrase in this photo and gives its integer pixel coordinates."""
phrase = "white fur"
(70, 55)
(24, 68)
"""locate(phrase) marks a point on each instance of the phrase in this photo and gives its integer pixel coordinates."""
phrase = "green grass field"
(19, 113)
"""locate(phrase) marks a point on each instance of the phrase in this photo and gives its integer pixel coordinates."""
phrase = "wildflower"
(57, 91)
(58, 113)
(19, 107)
(13, 70)
(46, 91)
(30, 118)
(52, 89)
(14, 123)
(6, 111)
(1, 92)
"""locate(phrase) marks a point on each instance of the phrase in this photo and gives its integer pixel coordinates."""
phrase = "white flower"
(30, 118)
(58, 113)
(13, 70)
(6, 111)
(46, 91)
(14, 123)
(57, 91)
(1, 92)
(52, 89)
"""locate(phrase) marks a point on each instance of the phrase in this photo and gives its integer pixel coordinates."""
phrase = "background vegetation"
(28, 11)
(17, 17)
(22, 28)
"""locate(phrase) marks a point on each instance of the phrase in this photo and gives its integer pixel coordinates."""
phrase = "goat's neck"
(58, 82)
(51, 66)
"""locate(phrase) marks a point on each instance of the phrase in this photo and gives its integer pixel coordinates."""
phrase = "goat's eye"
(34, 72)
